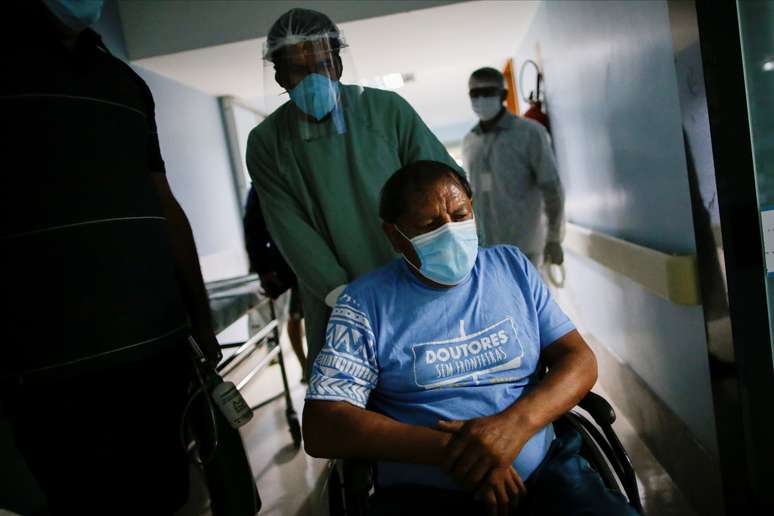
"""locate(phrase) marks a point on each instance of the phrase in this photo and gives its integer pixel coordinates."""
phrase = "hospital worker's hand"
(553, 253)
(502, 490)
(480, 444)
(272, 284)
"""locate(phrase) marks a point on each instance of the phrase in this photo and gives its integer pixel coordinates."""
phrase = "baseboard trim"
(694, 470)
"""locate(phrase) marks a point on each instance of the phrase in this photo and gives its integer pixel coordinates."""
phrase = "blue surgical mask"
(76, 14)
(316, 95)
(447, 253)
(486, 108)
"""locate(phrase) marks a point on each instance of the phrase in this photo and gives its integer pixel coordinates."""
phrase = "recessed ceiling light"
(390, 81)
(393, 81)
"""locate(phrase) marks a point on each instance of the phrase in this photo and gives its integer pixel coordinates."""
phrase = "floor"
(293, 484)
(659, 495)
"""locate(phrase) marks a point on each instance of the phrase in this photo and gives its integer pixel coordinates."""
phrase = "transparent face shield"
(316, 77)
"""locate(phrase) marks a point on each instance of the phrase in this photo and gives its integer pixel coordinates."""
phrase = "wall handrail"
(672, 277)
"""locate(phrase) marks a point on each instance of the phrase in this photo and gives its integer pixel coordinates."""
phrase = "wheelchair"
(352, 481)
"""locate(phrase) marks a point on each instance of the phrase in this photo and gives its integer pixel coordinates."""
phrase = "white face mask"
(486, 108)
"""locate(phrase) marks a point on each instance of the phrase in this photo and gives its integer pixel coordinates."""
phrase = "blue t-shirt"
(420, 354)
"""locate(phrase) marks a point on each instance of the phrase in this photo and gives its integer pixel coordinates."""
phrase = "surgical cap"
(486, 78)
(301, 25)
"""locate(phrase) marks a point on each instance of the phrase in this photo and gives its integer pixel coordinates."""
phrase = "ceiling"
(440, 46)
(154, 28)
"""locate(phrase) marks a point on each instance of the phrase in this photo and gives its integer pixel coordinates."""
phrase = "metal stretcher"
(230, 300)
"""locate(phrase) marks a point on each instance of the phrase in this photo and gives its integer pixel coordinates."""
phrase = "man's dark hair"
(414, 176)
(489, 74)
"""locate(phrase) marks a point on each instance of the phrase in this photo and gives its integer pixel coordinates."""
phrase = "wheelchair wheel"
(335, 494)
(592, 452)
(295, 429)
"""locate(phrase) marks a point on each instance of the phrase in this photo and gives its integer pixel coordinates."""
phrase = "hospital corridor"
(387, 257)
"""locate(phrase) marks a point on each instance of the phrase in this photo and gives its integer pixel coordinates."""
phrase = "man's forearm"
(553, 201)
(190, 275)
(572, 373)
(336, 429)
(187, 269)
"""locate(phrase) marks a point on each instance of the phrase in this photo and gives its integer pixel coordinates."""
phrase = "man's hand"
(188, 271)
(502, 490)
(553, 253)
(210, 347)
(272, 284)
(479, 445)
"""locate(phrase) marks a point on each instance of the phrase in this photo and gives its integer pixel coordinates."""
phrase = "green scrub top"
(320, 196)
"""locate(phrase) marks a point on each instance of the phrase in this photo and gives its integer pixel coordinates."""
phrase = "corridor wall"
(195, 151)
(612, 97)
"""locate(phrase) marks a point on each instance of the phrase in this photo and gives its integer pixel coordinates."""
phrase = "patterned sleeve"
(346, 367)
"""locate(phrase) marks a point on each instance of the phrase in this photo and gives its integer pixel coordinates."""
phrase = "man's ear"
(400, 245)
(339, 66)
(503, 95)
(279, 76)
(395, 238)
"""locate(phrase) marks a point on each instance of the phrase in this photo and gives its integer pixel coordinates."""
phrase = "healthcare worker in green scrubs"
(319, 161)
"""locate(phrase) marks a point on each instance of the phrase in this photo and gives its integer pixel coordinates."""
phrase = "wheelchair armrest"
(599, 409)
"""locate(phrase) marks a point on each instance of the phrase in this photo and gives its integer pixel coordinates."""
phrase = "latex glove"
(479, 445)
(553, 253)
(272, 284)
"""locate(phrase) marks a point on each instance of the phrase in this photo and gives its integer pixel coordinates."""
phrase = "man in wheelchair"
(430, 368)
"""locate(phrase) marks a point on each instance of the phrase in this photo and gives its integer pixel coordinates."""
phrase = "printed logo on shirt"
(482, 357)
